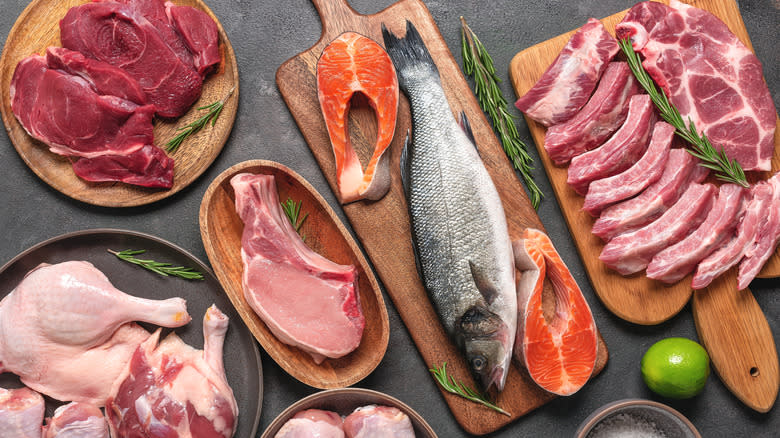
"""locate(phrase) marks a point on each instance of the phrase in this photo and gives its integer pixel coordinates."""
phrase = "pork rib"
(599, 118)
(636, 178)
(306, 300)
(709, 75)
(567, 84)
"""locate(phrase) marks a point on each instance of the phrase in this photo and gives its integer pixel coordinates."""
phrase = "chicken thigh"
(173, 390)
(378, 422)
(21, 413)
(64, 330)
(312, 423)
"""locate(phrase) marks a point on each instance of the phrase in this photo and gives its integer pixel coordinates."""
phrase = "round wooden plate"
(38, 28)
(221, 229)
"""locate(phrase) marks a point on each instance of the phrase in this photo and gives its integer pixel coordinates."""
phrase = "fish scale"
(459, 229)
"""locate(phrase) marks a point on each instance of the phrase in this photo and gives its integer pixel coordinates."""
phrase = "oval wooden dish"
(38, 28)
(343, 402)
(221, 229)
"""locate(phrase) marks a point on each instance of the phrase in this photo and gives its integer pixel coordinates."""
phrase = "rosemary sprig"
(451, 385)
(700, 146)
(165, 269)
(478, 64)
(293, 212)
(214, 110)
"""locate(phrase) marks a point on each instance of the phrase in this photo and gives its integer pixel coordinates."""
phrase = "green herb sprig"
(214, 110)
(293, 212)
(451, 385)
(700, 146)
(478, 64)
(165, 269)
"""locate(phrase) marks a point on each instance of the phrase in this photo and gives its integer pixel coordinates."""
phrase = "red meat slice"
(678, 260)
(766, 241)
(567, 84)
(710, 76)
(120, 35)
(626, 146)
(114, 135)
(644, 172)
(681, 170)
(631, 252)
(598, 119)
(199, 33)
(104, 78)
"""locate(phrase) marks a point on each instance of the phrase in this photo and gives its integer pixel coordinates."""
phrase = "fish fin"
(405, 166)
(466, 126)
(408, 53)
(484, 283)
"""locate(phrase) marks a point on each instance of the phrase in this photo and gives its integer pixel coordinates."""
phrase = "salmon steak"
(560, 353)
(350, 64)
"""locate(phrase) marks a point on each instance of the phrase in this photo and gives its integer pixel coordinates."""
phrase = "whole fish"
(459, 231)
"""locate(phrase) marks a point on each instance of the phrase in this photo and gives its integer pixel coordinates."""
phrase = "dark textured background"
(265, 34)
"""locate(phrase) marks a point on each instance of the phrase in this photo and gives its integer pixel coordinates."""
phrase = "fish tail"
(409, 54)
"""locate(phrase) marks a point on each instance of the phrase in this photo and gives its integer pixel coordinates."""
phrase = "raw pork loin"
(306, 300)
(113, 137)
(121, 36)
(599, 118)
(766, 240)
(173, 390)
(378, 422)
(567, 84)
(64, 331)
(709, 75)
(678, 260)
(312, 423)
(21, 413)
(76, 420)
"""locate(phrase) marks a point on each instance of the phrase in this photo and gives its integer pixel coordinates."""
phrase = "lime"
(676, 368)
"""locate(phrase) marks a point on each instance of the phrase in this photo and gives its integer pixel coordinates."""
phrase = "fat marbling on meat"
(306, 300)
(636, 178)
(597, 120)
(622, 150)
(709, 75)
(681, 170)
(567, 84)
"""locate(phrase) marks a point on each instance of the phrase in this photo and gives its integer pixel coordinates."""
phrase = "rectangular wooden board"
(383, 226)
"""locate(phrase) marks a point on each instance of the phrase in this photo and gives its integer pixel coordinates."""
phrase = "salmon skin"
(353, 63)
(459, 231)
(560, 355)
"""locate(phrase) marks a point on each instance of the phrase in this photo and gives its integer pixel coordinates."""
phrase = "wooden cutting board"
(730, 323)
(383, 226)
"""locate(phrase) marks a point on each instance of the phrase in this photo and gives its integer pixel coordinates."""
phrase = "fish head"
(487, 344)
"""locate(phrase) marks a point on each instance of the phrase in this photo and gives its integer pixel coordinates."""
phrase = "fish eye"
(478, 362)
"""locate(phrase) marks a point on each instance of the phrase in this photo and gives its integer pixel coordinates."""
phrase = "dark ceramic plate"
(241, 358)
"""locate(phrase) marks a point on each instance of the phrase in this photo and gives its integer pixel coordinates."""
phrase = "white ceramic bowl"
(343, 402)
(637, 415)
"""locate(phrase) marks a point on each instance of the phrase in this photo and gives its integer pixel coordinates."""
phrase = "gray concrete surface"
(265, 34)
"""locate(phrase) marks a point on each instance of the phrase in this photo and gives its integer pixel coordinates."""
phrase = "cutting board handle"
(333, 13)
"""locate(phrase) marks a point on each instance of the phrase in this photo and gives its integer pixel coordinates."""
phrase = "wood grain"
(38, 28)
(735, 332)
(383, 226)
(221, 230)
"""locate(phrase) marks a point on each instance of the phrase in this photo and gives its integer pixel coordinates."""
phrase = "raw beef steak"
(120, 35)
(199, 33)
(113, 137)
(599, 118)
(567, 84)
(710, 76)
(306, 300)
